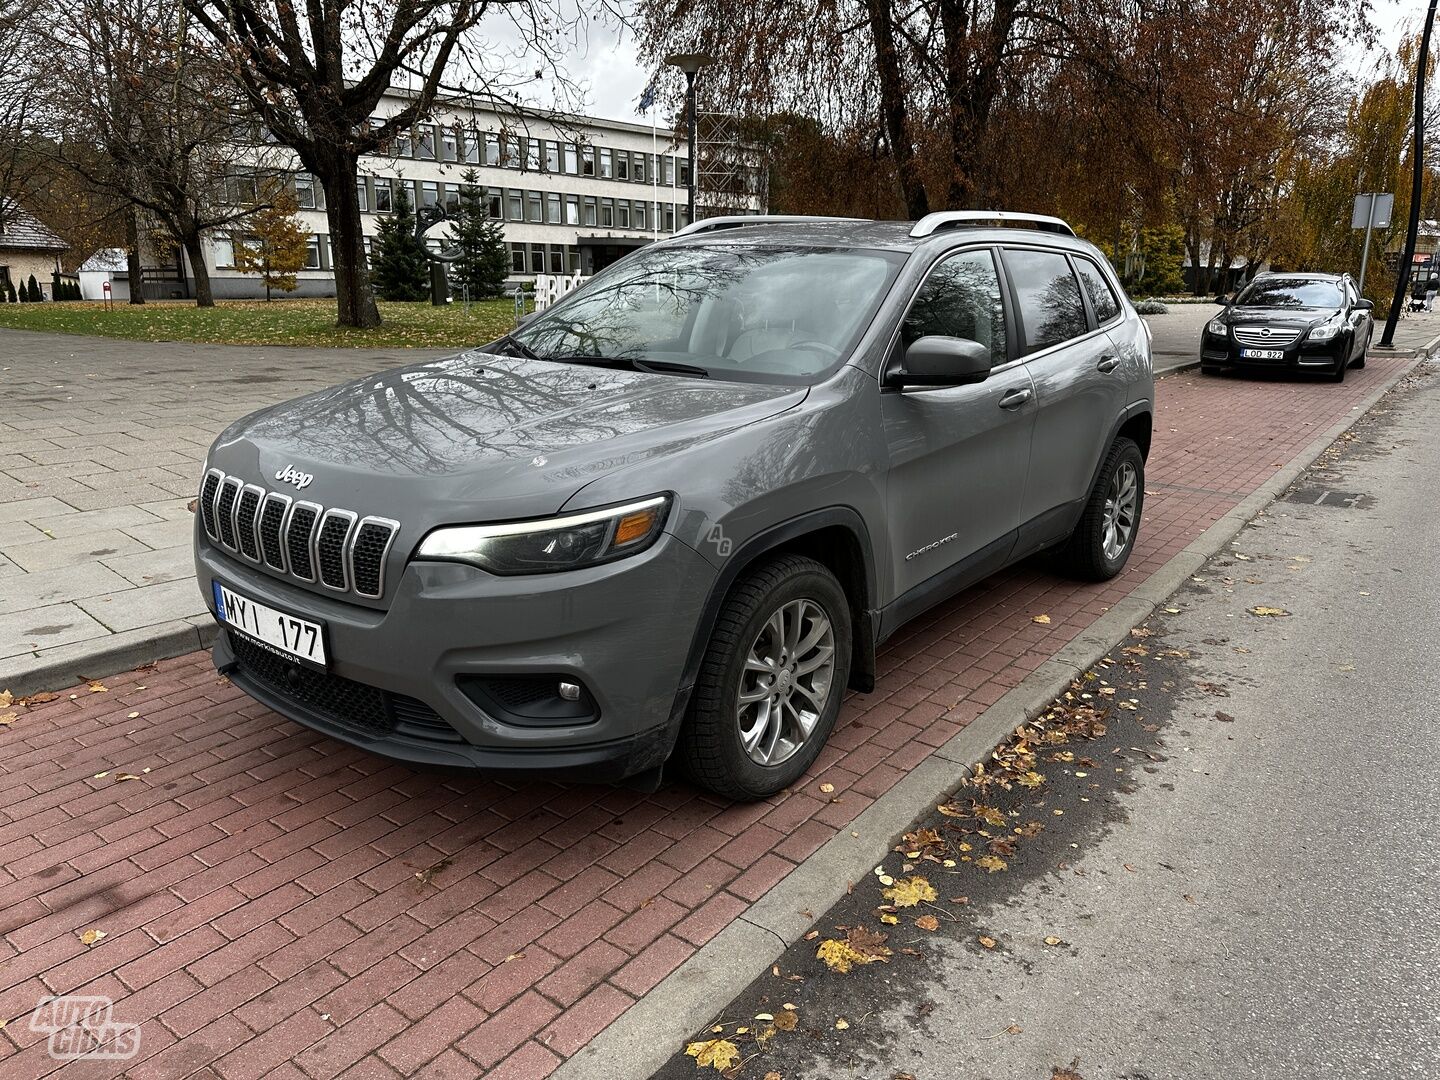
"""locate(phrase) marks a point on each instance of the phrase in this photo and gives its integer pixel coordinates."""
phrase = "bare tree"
(138, 103)
(316, 77)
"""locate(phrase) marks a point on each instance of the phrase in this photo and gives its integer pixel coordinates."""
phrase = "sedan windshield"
(768, 314)
(1290, 293)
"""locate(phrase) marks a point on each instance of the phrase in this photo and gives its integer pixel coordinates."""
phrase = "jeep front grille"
(341, 550)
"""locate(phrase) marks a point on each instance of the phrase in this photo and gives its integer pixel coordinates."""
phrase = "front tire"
(771, 682)
(1105, 535)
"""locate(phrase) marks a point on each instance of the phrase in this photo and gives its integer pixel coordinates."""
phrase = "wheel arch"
(837, 538)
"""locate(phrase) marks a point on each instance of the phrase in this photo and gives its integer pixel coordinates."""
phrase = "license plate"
(280, 631)
(1263, 354)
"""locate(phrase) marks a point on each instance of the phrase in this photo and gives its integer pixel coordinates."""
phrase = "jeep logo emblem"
(290, 475)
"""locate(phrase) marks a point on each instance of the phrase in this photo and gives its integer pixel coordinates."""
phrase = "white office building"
(574, 193)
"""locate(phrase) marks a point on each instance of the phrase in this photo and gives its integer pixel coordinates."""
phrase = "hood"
(480, 437)
(1294, 315)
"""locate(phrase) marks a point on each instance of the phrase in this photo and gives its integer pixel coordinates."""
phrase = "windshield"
(770, 314)
(1290, 292)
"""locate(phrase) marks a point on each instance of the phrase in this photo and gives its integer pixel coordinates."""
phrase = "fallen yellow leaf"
(1269, 612)
(928, 922)
(93, 937)
(988, 942)
(841, 1024)
(990, 863)
(1043, 620)
(719, 1054)
(910, 891)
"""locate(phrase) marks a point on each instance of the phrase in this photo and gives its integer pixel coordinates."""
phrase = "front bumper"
(396, 678)
(1302, 355)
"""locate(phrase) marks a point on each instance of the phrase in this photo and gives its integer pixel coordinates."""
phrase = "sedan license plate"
(1263, 354)
(280, 631)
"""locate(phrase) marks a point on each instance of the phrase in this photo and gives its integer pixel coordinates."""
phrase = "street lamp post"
(690, 64)
(1402, 279)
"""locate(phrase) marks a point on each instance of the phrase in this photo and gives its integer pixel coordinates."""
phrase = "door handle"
(1108, 364)
(1015, 398)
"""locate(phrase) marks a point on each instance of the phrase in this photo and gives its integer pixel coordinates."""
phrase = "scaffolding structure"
(731, 177)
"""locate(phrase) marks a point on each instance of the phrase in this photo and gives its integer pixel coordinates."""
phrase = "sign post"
(1372, 211)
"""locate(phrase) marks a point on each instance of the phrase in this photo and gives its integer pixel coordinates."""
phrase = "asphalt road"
(1243, 879)
(1176, 334)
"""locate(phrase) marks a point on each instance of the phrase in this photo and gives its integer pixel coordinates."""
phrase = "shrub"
(1151, 307)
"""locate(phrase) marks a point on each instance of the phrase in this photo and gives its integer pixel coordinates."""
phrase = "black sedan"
(1302, 322)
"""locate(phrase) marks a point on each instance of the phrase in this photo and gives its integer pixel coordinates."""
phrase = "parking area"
(271, 902)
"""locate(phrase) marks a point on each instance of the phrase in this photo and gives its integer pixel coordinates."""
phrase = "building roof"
(21, 230)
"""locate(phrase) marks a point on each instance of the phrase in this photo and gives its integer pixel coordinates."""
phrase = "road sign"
(1372, 211)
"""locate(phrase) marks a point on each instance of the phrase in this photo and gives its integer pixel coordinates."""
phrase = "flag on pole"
(651, 91)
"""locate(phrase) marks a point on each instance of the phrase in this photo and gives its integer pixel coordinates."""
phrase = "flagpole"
(654, 169)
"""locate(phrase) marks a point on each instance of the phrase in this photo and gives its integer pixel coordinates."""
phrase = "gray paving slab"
(101, 445)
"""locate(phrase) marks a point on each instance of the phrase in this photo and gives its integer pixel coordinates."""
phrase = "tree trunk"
(355, 301)
(195, 249)
(133, 269)
(893, 110)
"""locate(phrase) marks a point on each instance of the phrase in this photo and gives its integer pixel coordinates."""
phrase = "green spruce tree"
(401, 270)
(35, 295)
(484, 259)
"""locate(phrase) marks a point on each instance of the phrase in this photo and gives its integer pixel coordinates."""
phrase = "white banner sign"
(551, 287)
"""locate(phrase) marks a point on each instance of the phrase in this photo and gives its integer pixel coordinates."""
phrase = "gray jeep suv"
(676, 513)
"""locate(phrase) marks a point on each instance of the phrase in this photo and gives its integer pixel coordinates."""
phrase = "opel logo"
(291, 475)
(1264, 331)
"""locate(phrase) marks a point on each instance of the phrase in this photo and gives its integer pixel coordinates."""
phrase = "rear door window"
(961, 298)
(1102, 298)
(1047, 297)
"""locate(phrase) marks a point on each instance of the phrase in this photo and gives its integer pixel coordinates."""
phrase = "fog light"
(569, 691)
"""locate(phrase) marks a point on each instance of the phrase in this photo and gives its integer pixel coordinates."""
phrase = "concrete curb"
(644, 1037)
(99, 657)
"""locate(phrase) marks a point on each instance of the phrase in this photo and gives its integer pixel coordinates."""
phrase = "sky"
(608, 69)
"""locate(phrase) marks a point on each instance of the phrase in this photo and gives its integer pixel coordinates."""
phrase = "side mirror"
(943, 361)
(1223, 300)
(1364, 305)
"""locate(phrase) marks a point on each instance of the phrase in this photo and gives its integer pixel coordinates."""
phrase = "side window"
(961, 298)
(1102, 298)
(1048, 296)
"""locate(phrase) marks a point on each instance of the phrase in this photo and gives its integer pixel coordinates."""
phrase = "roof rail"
(739, 221)
(933, 223)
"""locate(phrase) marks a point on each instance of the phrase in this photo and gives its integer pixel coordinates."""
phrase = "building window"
(429, 193)
(669, 217)
(552, 157)
(640, 168)
(532, 155)
(492, 148)
(682, 215)
(572, 159)
(552, 208)
(305, 191)
(449, 145)
(517, 258)
(639, 222)
(517, 206)
(557, 260)
(362, 194)
(669, 180)
(425, 142)
(622, 213)
(607, 213)
(404, 144)
(510, 152)
(589, 209)
(369, 249)
(533, 209)
(537, 258)
(587, 161)
(383, 194)
(471, 148)
(622, 165)
(607, 166)
(242, 190)
(683, 169)
(451, 199)
(495, 203)
(572, 209)
(312, 253)
(572, 255)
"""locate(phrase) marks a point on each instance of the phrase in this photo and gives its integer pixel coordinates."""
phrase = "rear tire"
(1105, 534)
(792, 678)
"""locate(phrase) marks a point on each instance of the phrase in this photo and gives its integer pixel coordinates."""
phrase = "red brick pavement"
(257, 882)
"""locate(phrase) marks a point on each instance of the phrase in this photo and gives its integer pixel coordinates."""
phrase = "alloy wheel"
(1120, 502)
(786, 682)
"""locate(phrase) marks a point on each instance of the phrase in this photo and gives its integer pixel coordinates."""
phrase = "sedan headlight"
(1218, 327)
(1327, 329)
(552, 544)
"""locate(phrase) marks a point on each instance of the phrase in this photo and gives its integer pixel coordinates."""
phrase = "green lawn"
(280, 322)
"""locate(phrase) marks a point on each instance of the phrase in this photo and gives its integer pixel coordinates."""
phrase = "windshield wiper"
(510, 341)
(653, 367)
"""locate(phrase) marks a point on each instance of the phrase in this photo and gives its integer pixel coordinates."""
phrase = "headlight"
(552, 544)
(1218, 327)
(1327, 329)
